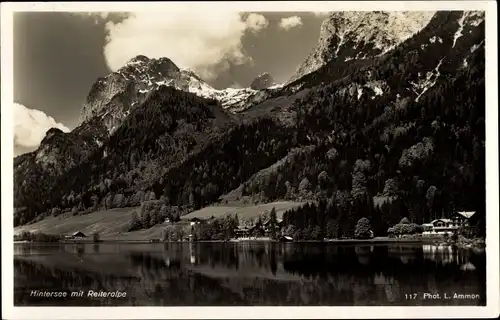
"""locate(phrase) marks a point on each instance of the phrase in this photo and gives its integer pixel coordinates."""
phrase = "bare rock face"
(112, 97)
(263, 81)
(350, 35)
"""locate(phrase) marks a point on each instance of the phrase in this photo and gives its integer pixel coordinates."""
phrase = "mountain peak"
(350, 35)
(142, 64)
(138, 59)
(50, 133)
(112, 97)
(262, 81)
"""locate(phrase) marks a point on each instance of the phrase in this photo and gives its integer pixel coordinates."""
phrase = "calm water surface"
(226, 274)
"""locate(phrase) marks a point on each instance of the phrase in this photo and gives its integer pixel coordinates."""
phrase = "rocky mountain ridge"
(112, 97)
(353, 35)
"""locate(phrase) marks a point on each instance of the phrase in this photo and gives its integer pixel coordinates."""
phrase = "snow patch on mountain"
(465, 63)
(472, 18)
(458, 34)
(434, 39)
(431, 77)
(476, 46)
(276, 86)
(360, 92)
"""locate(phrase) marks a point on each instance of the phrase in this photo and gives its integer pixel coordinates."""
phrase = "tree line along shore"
(228, 228)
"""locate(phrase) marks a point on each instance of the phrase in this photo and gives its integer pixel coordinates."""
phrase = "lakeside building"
(79, 235)
(458, 220)
(75, 235)
(267, 226)
(244, 232)
(462, 218)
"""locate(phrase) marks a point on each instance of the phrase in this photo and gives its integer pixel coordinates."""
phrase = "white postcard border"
(492, 239)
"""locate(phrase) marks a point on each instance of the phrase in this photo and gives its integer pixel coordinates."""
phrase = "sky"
(59, 55)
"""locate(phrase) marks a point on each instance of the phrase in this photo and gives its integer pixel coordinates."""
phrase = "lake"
(244, 273)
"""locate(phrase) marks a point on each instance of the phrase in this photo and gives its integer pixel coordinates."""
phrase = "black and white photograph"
(250, 154)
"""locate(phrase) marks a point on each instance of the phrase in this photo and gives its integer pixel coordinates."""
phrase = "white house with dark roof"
(458, 220)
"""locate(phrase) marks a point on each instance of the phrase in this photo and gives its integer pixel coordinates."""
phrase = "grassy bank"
(112, 225)
(244, 211)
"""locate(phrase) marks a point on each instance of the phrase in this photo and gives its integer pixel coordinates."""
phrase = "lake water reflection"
(229, 274)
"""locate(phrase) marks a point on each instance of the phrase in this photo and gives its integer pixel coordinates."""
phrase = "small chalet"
(244, 232)
(78, 235)
(443, 225)
(461, 218)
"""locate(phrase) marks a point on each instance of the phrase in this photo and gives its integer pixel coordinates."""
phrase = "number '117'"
(410, 296)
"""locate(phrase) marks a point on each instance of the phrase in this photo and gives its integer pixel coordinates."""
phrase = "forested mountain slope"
(406, 132)
(169, 125)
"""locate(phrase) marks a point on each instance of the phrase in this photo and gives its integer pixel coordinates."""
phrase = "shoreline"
(381, 240)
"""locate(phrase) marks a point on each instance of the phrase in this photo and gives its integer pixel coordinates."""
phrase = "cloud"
(30, 126)
(256, 22)
(191, 38)
(290, 22)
